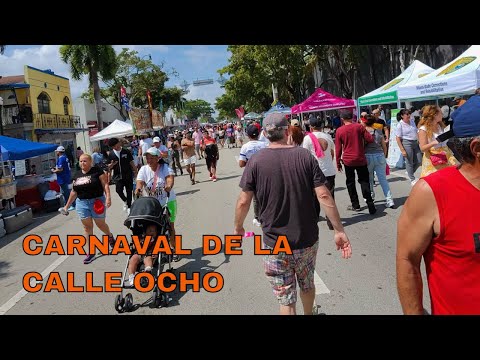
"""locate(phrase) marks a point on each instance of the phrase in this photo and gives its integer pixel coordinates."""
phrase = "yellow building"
(38, 106)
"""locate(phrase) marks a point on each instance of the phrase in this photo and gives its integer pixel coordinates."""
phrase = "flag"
(123, 98)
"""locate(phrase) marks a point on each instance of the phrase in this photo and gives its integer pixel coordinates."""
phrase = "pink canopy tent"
(321, 100)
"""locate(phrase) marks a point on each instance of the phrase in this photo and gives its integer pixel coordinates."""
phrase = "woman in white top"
(430, 126)
(156, 179)
(407, 140)
(326, 161)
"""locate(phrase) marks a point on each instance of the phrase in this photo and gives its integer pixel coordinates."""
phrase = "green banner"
(381, 98)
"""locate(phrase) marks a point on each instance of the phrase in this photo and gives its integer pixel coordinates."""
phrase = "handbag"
(439, 158)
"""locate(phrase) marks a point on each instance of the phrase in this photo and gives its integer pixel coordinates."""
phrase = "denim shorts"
(84, 208)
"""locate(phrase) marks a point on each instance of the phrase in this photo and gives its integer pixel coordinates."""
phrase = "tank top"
(452, 259)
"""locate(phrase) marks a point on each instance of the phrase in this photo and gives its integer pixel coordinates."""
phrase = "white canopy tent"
(117, 128)
(459, 77)
(388, 93)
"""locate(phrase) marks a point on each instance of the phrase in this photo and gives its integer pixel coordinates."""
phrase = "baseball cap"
(153, 151)
(275, 121)
(466, 119)
(252, 131)
(171, 135)
(156, 139)
(60, 148)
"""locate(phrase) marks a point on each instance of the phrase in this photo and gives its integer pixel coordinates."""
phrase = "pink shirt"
(197, 136)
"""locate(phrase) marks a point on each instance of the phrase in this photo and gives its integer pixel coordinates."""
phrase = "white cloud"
(42, 57)
(199, 55)
(207, 92)
(143, 48)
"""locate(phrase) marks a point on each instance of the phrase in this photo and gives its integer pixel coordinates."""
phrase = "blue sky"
(192, 62)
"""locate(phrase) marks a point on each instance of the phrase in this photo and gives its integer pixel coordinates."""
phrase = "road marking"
(320, 287)
(18, 296)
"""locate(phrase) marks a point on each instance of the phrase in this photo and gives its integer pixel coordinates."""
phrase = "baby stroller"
(146, 211)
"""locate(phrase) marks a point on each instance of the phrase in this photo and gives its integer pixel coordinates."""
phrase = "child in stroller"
(151, 232)
(147, 218)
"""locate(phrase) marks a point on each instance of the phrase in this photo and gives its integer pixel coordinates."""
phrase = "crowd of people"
(289, 169)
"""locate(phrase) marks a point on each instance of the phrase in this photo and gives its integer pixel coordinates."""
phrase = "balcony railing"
(52, 121)
(11, 116)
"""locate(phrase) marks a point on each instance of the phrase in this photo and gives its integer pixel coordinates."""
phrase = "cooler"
(17, 218)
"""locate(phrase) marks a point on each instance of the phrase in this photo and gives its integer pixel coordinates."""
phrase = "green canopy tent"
(387, 93)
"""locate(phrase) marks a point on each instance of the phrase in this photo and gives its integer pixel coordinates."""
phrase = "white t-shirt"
(326, 162)
(434, 136)
(197, 137)
(251, 148)
(150, 178)
(263, 138)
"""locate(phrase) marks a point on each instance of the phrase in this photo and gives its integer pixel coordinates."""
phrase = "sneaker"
(351, 207)
(128, 211)
(111, 241)
(414, 182)
(175, 257)
(256, 222)
(71, 208)
(390, 204)
(214, 178)
(125, 206)
(89, 258)
(129, 283)
(371, 208)
(63, 211)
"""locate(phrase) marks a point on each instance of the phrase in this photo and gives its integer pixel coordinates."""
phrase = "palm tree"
(93, 60)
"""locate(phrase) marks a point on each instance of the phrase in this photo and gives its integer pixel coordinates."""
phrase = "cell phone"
(445, 136)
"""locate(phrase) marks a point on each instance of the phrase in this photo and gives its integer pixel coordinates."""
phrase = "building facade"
(88, 119)
(38, 107)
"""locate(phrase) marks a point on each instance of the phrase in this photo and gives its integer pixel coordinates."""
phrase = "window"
(65, 105)
(43, 101)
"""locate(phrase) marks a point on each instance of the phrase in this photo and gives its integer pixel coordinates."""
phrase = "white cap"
(153, 151)
(156, 139)
(60, 148)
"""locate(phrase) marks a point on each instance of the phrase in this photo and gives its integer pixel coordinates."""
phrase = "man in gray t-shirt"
(285, 180)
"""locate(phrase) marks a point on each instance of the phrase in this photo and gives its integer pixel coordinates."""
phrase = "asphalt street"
(364, 284)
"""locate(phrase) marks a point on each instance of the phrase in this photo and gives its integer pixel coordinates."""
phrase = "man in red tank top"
(440, 222)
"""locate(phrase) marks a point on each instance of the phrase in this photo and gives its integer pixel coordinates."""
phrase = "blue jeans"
(378, 163)
(66, 193)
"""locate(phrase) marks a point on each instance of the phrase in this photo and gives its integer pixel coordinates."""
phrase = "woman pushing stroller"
(156, 179)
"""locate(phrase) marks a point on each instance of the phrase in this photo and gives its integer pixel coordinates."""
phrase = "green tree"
(138, 74)
(96, 61)
(254, 69)
(195, 109)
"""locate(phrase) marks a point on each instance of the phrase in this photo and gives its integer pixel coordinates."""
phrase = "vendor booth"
(459, 77)
(388, 93)
(321, 100)
(16, 195)
(116, 129)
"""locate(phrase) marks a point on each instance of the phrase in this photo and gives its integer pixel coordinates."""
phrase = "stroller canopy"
(145, 208)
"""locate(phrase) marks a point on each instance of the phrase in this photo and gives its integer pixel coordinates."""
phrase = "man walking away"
(246, 152)
(283, 178)
(124, 171)
(350, 150)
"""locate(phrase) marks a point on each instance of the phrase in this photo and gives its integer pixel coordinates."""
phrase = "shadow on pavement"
(4, 265)
(37, 220)
(200, 265)
(188, 192)
(361, 217)
(228, 177)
